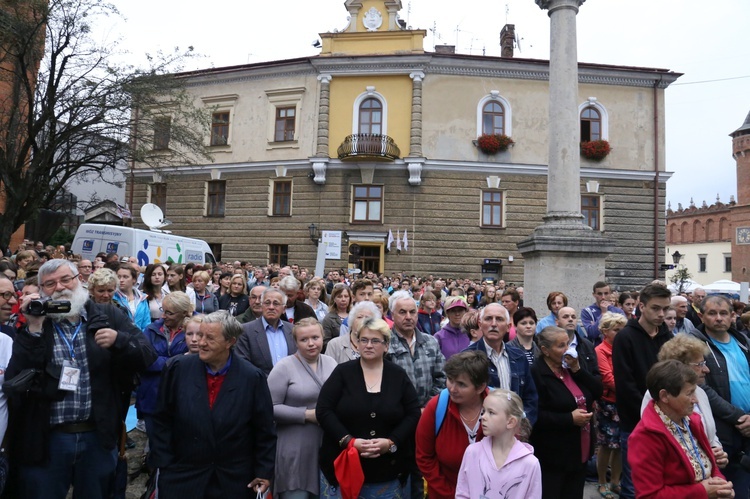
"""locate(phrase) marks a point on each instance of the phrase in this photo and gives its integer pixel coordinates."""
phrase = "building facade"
(376, 135)
(703, 236)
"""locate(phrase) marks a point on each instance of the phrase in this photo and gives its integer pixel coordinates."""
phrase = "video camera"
(39, 308)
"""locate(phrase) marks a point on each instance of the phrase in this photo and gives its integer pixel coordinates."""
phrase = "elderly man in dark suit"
(295, 310)
(214, 435)
(268, 339)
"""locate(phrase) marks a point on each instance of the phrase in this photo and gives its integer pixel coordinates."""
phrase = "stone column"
(320, 160)
(563, 253)
(415, 138)
(415, 160)
(323, 109)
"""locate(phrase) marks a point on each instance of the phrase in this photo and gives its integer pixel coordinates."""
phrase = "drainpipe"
(656, 178)
(132, 167)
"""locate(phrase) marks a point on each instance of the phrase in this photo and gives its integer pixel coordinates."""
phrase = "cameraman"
(66, 424)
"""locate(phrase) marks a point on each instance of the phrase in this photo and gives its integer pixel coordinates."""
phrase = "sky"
(711, 46)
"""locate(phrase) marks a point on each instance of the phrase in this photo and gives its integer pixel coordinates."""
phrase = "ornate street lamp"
(314, 234)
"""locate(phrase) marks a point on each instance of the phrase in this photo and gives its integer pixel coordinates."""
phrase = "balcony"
(369, 146)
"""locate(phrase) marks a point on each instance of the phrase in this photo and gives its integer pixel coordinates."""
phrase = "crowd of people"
(255, 379)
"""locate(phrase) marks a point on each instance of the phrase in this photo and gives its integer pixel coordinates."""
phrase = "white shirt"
(6, 349)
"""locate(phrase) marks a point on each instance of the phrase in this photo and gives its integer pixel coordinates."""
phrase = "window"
(216, 250)
(162, 131)
(367, 204)
(493, 118)
(220, 128)
(727, 263)
(371, 116)
(285, 117)
(492, 209)
(591, 125)
(158, 195)
(701, 263)
(216, 191)
(279, 254)
(591, 211)
(281, 202)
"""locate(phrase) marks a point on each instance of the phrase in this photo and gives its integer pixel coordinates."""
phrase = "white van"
(148, 246)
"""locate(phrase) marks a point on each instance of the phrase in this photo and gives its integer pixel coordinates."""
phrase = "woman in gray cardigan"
(295, 383)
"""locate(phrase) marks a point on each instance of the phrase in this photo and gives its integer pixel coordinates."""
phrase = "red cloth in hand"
(349, 472)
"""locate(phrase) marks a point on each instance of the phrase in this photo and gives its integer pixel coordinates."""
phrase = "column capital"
(417, 76)
(325, 78)
(558, 4)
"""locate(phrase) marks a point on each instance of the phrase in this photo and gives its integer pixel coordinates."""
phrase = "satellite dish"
(152, 216)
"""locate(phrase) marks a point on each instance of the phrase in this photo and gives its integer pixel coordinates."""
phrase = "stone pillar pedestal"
(319, 162)
(563, 254)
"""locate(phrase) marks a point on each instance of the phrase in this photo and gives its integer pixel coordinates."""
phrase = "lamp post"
(314, 236)
(676, 257)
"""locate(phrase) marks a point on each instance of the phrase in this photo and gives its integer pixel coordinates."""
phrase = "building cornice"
(428, 165)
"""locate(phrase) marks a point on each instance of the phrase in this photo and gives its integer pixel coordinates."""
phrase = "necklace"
(558, 372)
(372, 386)
(469, 420)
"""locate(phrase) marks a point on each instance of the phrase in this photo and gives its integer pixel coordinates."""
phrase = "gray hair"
(289, 283)
(181, 301)
(398, 296)
(678, 299)
(363, 305)
(101, 277)
(230, 327)
(53, 266)
(494, 304)
(274, 290)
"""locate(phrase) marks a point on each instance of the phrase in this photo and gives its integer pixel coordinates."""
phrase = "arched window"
(371, 116)
(594, 120)
(710, 229)
(684, 232)
(591, 125)
(493, 118)
(672, 228)
(697, 232)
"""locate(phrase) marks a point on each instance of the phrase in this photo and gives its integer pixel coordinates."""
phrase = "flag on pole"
(406, 242)
(398, 240)
(390, 240)
(123, 211)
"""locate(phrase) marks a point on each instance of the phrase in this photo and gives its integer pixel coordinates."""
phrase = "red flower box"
(493, 143)
(595, 150)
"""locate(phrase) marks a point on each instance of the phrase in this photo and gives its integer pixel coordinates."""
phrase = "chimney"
(507, 40)
(445, 49)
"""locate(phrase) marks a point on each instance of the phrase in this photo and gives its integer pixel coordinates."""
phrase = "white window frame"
(367, 94)
(594, 103)
(494, 95)
(221, 104)
(280, 98)
(503, 213)
(354, 221)
(271, 185)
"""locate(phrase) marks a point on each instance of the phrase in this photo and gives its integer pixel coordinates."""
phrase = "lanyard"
(694, 445)
(202, 299)
(69, 344)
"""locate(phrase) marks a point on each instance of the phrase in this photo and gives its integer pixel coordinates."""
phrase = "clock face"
(743, 235)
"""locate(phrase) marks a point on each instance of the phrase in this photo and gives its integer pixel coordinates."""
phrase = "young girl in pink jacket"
(500, 467)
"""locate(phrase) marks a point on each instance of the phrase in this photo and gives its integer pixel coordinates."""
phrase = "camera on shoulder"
(39, 308)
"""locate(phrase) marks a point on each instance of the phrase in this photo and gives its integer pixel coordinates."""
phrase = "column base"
(564, 255)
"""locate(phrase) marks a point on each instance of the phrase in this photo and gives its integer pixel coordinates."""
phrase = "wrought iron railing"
(369, 145)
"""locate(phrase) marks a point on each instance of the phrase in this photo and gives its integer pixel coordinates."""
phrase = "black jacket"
(587, 356)
(718, 391)
(633, 354)
(555, 435)
(111, 373)
(301, 311)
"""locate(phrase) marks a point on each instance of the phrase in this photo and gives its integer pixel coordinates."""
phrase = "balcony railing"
(370, 146)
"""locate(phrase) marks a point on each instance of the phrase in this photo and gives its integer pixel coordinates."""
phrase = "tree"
(681, 278)
(67, 108)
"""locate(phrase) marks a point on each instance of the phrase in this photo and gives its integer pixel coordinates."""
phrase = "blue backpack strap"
(441, 410)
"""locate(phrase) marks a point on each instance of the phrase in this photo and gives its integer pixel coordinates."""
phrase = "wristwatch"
(393, 448)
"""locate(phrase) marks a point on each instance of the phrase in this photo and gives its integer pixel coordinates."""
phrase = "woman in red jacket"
(447, 427)
(668, 451)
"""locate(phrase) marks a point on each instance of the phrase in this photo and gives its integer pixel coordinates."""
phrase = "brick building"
(376, 134)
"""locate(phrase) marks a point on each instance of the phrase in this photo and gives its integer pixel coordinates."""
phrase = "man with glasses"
(8, 299)
(728, 387)
(86, 358)
(85, 269)
(256, 305)
(267, 340)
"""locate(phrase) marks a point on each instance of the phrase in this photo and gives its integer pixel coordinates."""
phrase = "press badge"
(70, 377)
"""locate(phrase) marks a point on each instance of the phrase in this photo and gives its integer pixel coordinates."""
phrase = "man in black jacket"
(65, 427)
(634, 351)
(568, 320)
(728, 387)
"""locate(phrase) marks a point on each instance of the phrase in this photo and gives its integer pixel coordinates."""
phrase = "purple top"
(452, 340)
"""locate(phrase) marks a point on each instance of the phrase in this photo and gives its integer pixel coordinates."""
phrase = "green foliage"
(61, 237)
(681, 278)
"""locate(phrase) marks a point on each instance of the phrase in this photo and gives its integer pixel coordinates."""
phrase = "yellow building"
(375, 135)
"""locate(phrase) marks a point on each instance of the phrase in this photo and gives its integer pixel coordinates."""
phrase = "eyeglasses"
(8, 295)
(370, 341)
(65, 281)
(271, 303)
(698, 364)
